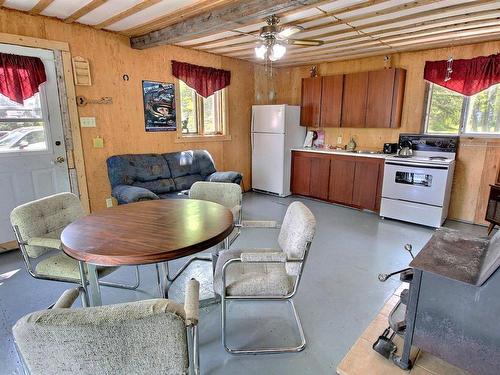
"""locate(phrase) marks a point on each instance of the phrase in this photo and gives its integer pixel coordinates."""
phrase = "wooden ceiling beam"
(440, 13)
(40, 6)
(126, 13)
(433, 25)
(177, 15)
(183, 13)
(84, 10)
(220, 19)
(324, 15)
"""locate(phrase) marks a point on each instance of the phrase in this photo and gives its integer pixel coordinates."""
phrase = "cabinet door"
(331, 101)
(301, 174)
(341, 180)
(379, 99)
(319, 177)
(366, 184)
(397, 97)
(311, 99)
(354, 100)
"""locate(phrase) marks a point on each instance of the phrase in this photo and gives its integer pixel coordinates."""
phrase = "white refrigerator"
(275, 131)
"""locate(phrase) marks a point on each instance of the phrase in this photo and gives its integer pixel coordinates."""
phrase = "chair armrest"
(192, 302)
(67, 298)
(259, 257)
(53, 243)
(129, 194)
(260, 224)
(229, 176)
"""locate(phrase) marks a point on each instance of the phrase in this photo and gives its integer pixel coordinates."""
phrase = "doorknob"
(60, 159)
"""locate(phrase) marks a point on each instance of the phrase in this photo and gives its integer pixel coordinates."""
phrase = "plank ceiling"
(349, 28)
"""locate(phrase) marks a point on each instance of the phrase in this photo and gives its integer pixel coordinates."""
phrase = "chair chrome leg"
(124, 286)
(275, 350)
(196, 351)
(159, 281)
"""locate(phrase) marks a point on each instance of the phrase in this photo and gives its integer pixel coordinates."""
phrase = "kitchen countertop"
(341, 152)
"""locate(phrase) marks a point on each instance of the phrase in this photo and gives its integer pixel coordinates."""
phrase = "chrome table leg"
(95, 291)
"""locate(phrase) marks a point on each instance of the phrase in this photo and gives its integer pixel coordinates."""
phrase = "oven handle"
(417, 165)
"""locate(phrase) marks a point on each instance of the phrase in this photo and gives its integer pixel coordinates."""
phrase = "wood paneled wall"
(478, 159)
(121, 124)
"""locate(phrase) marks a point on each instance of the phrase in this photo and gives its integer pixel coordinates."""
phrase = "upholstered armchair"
(156, 336)
(267, 274)
(38, 226)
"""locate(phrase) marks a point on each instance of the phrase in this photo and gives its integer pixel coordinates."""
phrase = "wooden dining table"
(145, 232)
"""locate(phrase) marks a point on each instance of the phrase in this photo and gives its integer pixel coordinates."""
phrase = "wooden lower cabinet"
(350, 180)
(367, 184)
(301, 174)
(342, 172)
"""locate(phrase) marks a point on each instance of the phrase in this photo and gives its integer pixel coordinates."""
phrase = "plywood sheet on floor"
(362, 359)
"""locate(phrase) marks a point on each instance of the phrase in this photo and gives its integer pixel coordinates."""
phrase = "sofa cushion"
(163, 185)
(126, 169)
(190, 162)
(185, 182)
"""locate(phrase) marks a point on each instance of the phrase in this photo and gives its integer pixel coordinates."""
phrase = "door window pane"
(21, 125)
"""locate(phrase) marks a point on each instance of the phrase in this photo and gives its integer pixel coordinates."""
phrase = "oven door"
(415, 183)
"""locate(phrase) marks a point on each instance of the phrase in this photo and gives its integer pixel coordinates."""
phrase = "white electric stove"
(417, 189)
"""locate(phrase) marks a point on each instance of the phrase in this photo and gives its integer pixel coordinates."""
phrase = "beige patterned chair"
(153, 336)
(38, 226)
(267, 274)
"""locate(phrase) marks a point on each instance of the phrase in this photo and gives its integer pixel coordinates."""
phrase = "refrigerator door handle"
(253, 141)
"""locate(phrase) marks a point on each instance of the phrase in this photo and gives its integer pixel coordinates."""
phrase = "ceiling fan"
(274, 38)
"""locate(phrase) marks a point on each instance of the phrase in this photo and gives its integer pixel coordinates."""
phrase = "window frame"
(463, 117)
(221, 103)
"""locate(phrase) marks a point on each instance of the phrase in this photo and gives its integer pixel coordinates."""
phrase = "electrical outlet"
(98, 142)
(339, 140)
(109, 202)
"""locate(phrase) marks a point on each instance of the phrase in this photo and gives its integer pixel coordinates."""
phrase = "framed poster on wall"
(159, 106)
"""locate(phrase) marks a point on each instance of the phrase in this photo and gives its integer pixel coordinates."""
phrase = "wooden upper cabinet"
(354, 100)
(331, 101)
(311, 102)
(385, 98)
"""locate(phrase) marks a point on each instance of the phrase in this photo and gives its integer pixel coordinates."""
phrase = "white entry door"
(32, 151)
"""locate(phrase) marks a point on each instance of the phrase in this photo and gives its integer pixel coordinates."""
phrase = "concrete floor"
(337, 299)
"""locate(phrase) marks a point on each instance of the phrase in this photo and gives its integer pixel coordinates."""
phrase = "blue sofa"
(137, 177)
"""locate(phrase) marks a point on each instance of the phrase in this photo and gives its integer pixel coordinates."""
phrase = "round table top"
(147, 232)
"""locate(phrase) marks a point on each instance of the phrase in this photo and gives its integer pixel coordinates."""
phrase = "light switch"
(87, 122)
(98, 142)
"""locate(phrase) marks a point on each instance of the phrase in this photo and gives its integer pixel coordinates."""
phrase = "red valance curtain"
(20, 76)
(203, 79)
(467, 77)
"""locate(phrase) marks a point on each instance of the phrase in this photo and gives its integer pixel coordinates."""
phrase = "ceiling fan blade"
(304, 42)
(247, 34)
(289, 31)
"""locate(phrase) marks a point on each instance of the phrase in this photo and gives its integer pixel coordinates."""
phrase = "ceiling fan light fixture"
(261, 51)
(277, 52)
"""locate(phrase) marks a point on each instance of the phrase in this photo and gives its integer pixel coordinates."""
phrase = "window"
(21, 125)
(451, 113)
(202, 116)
